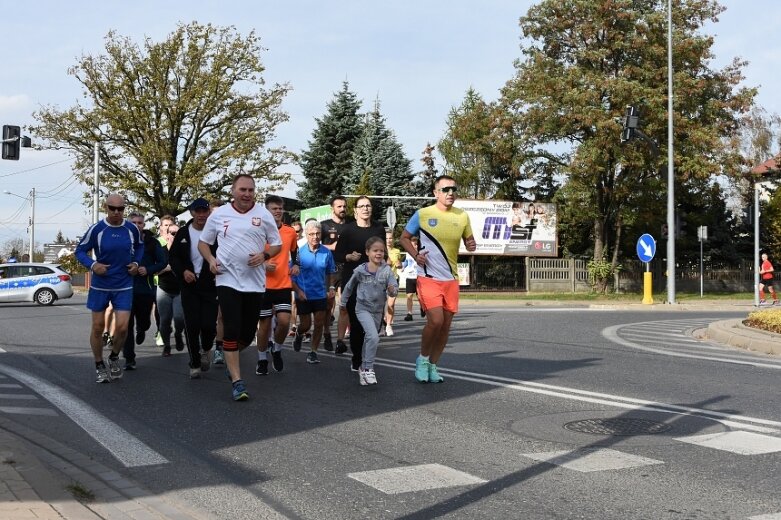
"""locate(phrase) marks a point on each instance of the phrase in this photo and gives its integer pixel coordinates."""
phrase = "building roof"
(770, 166)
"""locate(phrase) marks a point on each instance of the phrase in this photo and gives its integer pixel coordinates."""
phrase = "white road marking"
(743, 443)
(587, 460)
(610, 333)
(10, 385)
(406, 479)
(127, 449)
(771, 516)
(24, 410)
(18, 396)
(731, 420)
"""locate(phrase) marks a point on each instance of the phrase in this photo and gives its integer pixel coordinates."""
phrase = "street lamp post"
(670, 163)
(31, 198)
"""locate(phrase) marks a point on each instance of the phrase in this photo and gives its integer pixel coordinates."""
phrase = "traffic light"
(631, 120)
(12, 142)
(680, 222)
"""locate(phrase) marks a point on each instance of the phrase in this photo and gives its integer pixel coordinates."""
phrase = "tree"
(379, 166)
(60, 238)
(583, 63)
(175, 120)
(327, 161)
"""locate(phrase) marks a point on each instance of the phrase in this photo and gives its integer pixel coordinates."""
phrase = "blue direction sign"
(646, 248)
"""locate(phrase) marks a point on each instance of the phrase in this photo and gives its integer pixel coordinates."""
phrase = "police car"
(33, 282)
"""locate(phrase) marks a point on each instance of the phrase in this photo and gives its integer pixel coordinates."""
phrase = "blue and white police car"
(34, 282)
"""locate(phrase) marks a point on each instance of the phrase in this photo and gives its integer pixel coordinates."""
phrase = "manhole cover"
(617, 426)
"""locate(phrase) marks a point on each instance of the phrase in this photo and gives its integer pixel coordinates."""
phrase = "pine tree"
(379, 164)
(328, 161)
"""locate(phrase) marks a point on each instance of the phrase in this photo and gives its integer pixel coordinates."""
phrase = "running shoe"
(297, 342)
(130, 365)
(775, 302)
(433, 374)
(239, 391)
(166, 351)
(140, 337)
(219, 357)
(159, 339)
(388, 330)
(105, 338)
(422, 369)
(369, 376)
(179, 342)
(408, 317)
(205, 363)
(362, 377)
(262, 368)
(422, 313)
(113, 367)
(102, 374)
(292, 331)
(341, 347)
(276, 360)
(312, 358)
(307, 337)
(195, 373)
(110, 342)
(328, 344)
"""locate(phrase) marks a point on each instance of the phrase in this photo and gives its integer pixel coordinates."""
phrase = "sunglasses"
(448, 189)
(115, 208)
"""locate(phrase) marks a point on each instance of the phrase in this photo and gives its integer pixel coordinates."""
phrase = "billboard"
(511, 228)
(319, 213)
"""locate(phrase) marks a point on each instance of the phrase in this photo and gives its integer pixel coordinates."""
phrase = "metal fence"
(511, 273)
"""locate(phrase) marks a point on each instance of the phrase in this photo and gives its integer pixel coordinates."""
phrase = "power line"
(36, 168)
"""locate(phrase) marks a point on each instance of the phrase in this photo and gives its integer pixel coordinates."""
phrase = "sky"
(417, 58)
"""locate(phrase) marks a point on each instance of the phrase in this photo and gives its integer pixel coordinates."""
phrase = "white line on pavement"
(610, 333)
(731, 420)
(129, 450)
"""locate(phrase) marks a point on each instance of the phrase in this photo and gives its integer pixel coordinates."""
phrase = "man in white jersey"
(243, 229)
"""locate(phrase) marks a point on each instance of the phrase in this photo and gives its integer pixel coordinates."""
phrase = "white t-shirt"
(195, 255)
(240, 235)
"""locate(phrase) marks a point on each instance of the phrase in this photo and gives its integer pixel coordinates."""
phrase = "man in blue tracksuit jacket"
(116, 244)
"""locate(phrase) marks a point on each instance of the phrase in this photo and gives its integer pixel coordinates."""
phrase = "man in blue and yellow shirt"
(440, 228)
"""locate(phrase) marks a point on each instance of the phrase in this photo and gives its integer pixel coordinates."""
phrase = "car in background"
(34, 282)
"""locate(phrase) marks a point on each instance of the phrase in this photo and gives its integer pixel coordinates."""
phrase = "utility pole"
(32, 225)
(670, 165)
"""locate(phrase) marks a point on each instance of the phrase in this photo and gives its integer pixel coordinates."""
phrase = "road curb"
(735, 334)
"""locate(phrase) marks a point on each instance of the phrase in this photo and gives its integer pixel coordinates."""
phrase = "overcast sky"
(418, 58)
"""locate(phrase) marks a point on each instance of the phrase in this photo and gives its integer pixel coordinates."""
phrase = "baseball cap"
(199, 203)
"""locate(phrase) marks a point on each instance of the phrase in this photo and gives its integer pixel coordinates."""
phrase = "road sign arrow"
(647, 249)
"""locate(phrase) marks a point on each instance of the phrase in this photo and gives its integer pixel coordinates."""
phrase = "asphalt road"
(563, 412)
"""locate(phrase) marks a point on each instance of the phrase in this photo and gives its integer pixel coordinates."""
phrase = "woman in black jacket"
(198, 292)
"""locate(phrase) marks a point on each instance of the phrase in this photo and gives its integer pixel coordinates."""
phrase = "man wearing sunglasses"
(116, 244)
(440, 228)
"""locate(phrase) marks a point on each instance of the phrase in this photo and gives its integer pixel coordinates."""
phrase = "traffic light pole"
(756, 244)
(670, 164)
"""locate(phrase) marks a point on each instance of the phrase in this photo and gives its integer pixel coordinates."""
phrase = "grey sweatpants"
(371, 339)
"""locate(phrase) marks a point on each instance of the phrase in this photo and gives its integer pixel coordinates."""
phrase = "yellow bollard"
(648, 298)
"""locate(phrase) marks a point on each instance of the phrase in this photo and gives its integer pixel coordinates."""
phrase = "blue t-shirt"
(313, 267)
(116, 246)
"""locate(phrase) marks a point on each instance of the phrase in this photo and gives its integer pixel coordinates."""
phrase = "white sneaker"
(362, 377)
(369, 377)
(388, 330)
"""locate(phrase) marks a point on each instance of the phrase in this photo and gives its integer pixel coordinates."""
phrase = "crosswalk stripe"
(18, 396)
(24, 410)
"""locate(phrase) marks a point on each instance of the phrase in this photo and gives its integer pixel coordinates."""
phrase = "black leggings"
(240, 314)
(200, 320)
(140, 320)
(356, 333)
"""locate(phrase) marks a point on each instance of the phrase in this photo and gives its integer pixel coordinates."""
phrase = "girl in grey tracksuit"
(372, 283)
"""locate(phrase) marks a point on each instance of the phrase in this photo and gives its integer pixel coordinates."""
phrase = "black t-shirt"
(353, 238)
(330, 231)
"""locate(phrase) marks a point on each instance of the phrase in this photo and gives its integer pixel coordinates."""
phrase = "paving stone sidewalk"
(38, 478)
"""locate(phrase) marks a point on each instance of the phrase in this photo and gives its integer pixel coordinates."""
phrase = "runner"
(351, 250)
(331, 230)
(169, 300)
(766, 275)
(372, 283)
(116, 244)
(410, 270)
(198, 290)
(244, 228)
(440, 227)
(279, 291)
(394, 261)
(313, 287)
